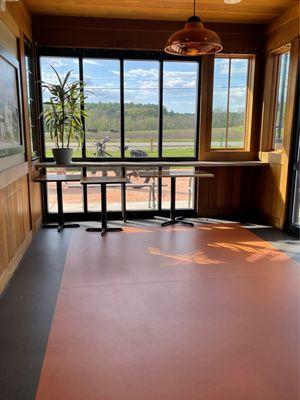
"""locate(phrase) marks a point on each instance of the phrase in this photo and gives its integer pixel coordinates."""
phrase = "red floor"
(179, 313)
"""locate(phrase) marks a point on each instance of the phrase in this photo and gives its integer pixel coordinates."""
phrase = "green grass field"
(148, 140)
(180, 152)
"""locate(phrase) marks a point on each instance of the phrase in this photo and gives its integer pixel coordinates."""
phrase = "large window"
(137, 108)
(230, 110)
(283, 61)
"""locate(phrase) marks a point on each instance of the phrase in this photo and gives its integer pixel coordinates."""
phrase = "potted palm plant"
(63, 115)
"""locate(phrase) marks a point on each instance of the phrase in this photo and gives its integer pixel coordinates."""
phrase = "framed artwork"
(10, 107)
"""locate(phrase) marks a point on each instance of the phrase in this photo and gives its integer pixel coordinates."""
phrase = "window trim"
(275, 54)
(33, 108)
(270, 99)
(249, 105)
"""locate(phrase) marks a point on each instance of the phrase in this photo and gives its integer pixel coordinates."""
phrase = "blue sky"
(238, 84)
(141, 81)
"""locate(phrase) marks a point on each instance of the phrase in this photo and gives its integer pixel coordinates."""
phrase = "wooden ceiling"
(248, 11)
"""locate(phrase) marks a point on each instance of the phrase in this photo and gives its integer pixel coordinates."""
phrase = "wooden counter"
(134, 164)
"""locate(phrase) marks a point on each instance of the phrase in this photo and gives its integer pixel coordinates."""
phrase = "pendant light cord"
(194, 8)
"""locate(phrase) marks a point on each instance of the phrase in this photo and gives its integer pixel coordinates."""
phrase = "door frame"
(291, 227)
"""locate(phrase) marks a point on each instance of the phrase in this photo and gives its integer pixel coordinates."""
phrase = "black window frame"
(33, 103)
(121, 55)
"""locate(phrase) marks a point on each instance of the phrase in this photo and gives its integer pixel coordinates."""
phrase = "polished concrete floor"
(176, 313)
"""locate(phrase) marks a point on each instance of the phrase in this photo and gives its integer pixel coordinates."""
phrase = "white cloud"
(50, 76)
(140, 72)
(92, 62)
(238, 67)
(180, 79)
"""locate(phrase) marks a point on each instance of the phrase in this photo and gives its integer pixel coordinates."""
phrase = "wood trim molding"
(12, 174)
(283, 29)
(283, 19)
(253, 119)
(22, 17)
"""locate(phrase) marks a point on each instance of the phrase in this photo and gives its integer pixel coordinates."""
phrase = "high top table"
(103, 181)
(173, 174)
(59, 179)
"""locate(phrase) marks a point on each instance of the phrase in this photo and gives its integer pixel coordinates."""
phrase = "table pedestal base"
(174, 221)
(60, 227)
(104, 230)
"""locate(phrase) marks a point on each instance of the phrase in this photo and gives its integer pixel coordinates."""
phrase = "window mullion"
(122, 117)
(83, 149)
(160, 126)
(228, 103)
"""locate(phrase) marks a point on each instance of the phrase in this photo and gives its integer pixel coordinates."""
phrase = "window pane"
(102, 104)
(296, 200)
(141, 108)
(31, 97)
(141, 191)
(229, 103)
(284, 60)
(237, 103)
(220, 103)
(185, 187)
(62, 65)
(180, 82)
(72, 191)
(113, 192)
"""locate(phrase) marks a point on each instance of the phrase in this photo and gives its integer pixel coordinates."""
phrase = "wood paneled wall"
(20, 202)
(271, 186)
(229, 193)
(283, 29)
(135, 34)
(16, 234)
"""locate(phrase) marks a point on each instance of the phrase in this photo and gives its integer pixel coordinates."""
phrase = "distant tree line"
(104, 117)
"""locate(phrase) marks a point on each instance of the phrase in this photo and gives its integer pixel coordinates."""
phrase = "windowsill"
(272, 157)
(228, 151)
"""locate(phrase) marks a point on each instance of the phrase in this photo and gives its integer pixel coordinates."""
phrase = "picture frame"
(11, 123)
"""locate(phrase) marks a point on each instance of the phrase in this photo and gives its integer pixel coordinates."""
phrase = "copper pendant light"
(193, 39)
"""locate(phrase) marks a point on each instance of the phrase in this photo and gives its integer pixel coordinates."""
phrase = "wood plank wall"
(271, 185)
(20, 201)
(135, 34)
(228, 194)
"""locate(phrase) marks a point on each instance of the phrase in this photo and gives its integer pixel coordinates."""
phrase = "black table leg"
(123, 194)
(61, 223)
(103, 207)
(60, 206)
(104, 228)
(173, 219)
(173, 198)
